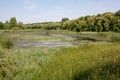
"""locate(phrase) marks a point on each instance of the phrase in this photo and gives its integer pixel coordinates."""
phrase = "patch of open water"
(44, 44)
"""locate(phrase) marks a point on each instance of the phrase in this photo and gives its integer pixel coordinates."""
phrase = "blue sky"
(29, 11)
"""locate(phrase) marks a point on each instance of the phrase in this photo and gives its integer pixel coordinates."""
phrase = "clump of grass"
(115, 37)
(8, 65)
(101, 34)
(6, 60)
(6, 42)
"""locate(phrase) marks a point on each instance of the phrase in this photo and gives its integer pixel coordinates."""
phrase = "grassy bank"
(86, 62)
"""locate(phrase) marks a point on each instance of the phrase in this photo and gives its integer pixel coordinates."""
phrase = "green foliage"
(99, 23)
(117, 13)
(1, 25)
(13, 22)
(64, 19)
(20, 25)
(16, 28)
(7, 25)
(44, 26)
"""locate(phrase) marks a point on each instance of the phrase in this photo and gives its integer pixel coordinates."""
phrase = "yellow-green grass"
(34, 37)
(86, 62)
(39, 37)
(115, 37)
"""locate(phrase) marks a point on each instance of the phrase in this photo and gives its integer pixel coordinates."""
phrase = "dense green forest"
(101, 22)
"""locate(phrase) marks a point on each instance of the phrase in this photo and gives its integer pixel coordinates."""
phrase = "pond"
(52, 41)
(41, 39)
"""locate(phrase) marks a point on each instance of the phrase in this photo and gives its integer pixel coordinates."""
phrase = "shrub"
(16, 28)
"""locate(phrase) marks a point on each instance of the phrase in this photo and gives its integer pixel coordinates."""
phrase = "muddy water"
(62, 41)
(44, 44)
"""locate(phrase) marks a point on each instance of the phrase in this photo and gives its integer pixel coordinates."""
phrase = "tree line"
(101, 22)
(12, 24)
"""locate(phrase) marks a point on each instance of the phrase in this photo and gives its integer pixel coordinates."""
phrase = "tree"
(64, 19)
(13, 22)
(112, 24)
(117, 13)
(105, 24)
(78, 28)
(90, 23)
(1, 25)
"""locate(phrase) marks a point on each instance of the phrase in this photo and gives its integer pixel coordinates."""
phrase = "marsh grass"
(91, 61)
(115, 37)
(39, 37)
(86, 62)
(6, 42)
(8, 64)
(97, 36)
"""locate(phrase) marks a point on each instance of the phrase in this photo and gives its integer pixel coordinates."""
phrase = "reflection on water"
(44, 44)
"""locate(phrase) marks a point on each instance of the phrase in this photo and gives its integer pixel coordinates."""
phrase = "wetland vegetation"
(87, 48)
(91, 56)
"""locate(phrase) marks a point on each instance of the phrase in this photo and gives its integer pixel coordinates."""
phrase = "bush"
(16, 28)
